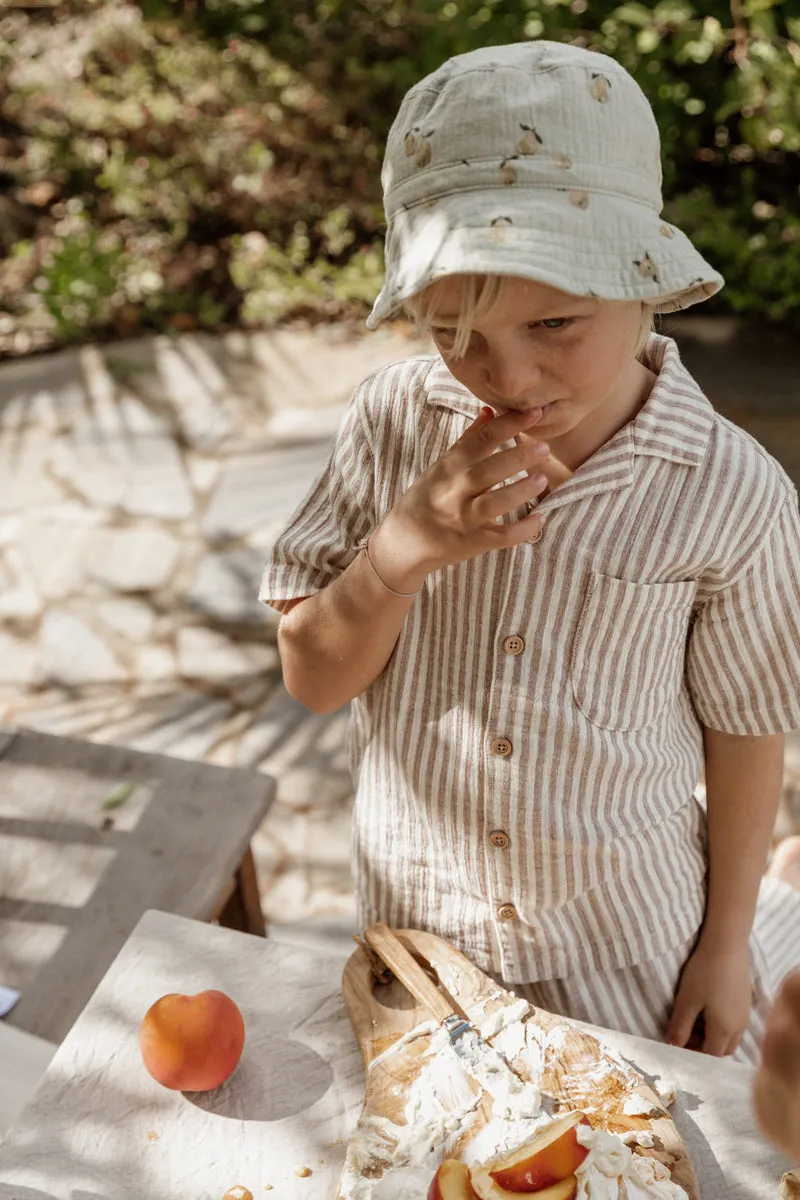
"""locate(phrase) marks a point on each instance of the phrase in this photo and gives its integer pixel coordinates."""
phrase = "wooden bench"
(91, 836)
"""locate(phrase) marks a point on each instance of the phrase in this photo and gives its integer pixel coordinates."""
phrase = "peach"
(192, 1043)
(486, 1188)
(549, 1156)
(451, 1182)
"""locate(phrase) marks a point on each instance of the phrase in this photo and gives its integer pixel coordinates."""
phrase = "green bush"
(202, 163)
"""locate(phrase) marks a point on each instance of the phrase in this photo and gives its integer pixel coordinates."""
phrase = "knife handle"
(407, 969)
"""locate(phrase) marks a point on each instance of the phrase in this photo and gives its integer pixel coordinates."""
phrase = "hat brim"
(583, 243)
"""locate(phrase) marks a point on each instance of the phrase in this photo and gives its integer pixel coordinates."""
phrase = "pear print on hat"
(508, 174)
(530, 141)
(568, 137)
(601, 88)
(647, 268)
(416, 143)
(498, 230)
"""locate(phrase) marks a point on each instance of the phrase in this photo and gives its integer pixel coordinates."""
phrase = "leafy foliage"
(177, 164)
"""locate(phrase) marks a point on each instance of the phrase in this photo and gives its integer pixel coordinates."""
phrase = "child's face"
(541, 346)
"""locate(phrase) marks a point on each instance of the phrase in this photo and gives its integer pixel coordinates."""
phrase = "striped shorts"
(639, 999)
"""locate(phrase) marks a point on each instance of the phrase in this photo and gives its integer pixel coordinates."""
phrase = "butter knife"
(514, 1098)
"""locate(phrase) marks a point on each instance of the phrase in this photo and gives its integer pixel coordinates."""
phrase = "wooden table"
(91, 836)
(99, 1128)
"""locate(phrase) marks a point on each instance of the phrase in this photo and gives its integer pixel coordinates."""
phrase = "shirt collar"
(676, 420)
(674, 423)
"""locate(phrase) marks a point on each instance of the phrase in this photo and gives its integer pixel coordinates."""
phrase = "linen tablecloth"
(99, 1128)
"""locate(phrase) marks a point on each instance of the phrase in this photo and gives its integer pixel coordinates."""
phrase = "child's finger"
(496, 503)
(558, 472)
(485, 434)
(716, 1039)
(682, 1023)
(504, 465)
(517, 532)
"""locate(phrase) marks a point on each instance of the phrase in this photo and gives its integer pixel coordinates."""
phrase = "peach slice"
(550, 1156)
(451, 1182)
(486, 1188)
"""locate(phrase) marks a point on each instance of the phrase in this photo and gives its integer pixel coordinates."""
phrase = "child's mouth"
(545, 409)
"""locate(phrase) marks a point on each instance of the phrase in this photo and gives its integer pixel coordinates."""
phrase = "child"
(553, 582)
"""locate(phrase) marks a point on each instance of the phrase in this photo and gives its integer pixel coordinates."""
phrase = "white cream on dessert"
(638, 1106)
(666, 1090)
(507, 1014)
(514, 1098)
(611, 1162)
(427, 1027)
(389, 1160)
(639, 1137)
(608, 1154)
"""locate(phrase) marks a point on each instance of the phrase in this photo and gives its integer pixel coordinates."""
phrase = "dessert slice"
(549, 1157)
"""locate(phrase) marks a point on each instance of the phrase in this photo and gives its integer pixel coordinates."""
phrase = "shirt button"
(502, 747)
(506, 912)
(500, 839)
(514, 644)
(536, 537)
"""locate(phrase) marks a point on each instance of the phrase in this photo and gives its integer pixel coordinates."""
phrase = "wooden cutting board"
(577, 1073)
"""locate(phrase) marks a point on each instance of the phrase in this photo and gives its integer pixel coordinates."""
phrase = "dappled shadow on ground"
(144, 483)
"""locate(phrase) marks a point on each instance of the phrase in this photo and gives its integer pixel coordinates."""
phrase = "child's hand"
(555, 470)
(450, 513)
(712, 1005)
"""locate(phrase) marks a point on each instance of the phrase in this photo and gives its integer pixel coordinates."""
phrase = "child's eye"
(553, 323)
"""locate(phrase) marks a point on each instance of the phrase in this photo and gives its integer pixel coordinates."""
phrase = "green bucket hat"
(540, 160)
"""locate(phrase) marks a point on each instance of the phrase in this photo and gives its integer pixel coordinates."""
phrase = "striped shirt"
(526, 762)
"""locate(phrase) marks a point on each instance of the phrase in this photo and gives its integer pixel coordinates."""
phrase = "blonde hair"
(647, 325)
(479, 295)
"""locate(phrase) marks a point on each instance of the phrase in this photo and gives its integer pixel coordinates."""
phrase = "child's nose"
(512, 377)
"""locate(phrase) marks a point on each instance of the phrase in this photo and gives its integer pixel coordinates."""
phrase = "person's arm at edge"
(776, 1087)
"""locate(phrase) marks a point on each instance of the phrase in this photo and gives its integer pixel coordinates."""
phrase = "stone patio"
(143, 483)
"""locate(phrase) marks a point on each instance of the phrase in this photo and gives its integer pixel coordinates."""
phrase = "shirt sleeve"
(323, 534)
(743, 663)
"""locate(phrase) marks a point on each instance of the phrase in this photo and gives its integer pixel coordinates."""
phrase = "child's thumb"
(485, 415)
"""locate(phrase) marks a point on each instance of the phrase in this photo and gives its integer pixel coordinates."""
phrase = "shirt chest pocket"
(629, 651)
